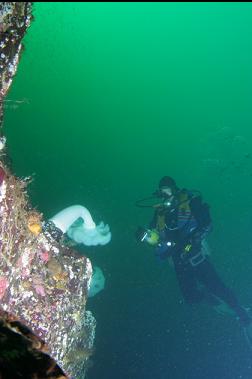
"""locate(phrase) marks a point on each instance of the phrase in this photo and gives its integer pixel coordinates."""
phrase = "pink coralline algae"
(40, 289)
(39, 285)
(3, 286)
(44, 256)
(2, 175)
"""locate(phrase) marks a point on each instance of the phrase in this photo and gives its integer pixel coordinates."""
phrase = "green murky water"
(114, 96)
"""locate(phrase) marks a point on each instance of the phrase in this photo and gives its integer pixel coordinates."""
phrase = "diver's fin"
(224, 309)
(247, 330)
(217, 304)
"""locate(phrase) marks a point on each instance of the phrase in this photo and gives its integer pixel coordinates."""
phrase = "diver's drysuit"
(182, 227)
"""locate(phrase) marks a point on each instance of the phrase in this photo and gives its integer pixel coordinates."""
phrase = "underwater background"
(108, 98)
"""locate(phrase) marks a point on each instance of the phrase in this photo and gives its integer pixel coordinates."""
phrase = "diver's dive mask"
(167, 195)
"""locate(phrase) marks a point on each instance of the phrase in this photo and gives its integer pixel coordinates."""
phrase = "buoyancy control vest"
(190, 211)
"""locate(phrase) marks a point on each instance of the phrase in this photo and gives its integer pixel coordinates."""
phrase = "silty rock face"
(15, 18)
(20, 348)
(43, 284)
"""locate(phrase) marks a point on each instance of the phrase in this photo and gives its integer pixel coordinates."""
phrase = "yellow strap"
(161, 222)
(183, 199)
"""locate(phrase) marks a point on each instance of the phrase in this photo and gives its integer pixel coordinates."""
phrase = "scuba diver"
(178, 229)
